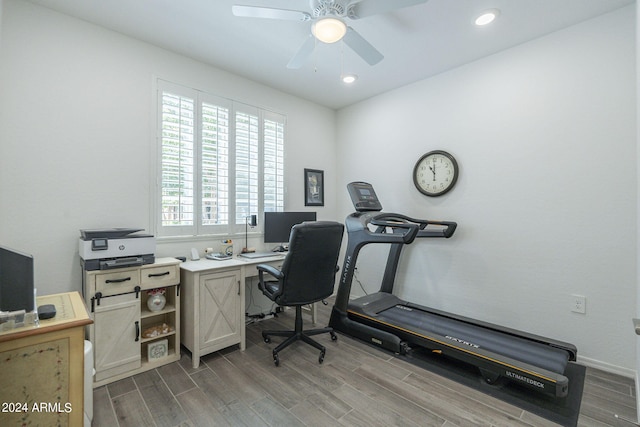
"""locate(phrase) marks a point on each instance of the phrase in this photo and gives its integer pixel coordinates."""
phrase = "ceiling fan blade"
(374, 7)
(362, 47)
(303, 53)
(269, 13)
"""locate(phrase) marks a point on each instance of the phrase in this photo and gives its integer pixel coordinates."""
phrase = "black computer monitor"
(16, 280)
(277, 225)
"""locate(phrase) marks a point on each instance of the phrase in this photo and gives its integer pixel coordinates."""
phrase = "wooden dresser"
(42, 367)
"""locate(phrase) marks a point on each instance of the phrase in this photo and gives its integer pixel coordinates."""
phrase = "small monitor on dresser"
(16, 280)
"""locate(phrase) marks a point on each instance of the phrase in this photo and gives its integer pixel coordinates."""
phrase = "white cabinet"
(125, 329)
(212, 311)
(220, 313)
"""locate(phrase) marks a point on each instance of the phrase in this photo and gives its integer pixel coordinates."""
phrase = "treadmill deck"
(463, 335)
(518, 356)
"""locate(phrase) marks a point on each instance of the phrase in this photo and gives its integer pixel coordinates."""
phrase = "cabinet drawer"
(117, 282)
(157, 277)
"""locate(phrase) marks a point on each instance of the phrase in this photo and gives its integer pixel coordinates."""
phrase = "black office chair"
(307, 275)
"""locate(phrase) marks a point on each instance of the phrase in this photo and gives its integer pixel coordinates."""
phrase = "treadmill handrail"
(450, 226)
(407, 237)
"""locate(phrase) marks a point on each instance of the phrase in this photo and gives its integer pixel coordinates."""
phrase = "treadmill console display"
(363, 197)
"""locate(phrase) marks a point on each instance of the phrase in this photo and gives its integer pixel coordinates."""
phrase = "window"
(219, 162)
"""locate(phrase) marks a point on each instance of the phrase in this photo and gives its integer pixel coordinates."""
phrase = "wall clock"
(435, 173)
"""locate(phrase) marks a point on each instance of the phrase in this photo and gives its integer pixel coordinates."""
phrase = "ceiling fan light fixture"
(487, 17)
(329, 30)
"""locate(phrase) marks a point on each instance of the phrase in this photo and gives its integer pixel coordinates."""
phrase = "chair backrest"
(311, 264)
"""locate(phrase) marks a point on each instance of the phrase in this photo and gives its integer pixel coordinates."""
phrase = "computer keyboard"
(253, 255)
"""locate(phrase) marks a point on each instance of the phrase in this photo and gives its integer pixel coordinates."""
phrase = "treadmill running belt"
(425, 323)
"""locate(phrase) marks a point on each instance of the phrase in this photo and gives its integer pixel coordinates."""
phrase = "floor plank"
(162, 404)
(131, 410)
(201, 412)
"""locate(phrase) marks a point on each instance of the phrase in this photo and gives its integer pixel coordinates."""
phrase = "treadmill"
(386, 321)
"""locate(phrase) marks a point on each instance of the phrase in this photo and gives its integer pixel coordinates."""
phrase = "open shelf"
(145, 340)
(145, 312)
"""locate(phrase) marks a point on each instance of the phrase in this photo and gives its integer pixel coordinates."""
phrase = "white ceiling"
(417, 42)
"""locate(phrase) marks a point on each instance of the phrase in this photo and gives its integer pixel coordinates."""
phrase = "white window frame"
(235, 225)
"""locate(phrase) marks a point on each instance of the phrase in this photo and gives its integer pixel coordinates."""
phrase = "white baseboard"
(607, 367)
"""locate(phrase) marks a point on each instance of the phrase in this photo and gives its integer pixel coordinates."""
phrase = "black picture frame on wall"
(313, 187)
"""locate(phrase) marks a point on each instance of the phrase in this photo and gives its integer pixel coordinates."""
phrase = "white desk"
(204, 264)
(213, 302)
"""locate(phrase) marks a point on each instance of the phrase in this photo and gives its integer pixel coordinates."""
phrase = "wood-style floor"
(355, 386)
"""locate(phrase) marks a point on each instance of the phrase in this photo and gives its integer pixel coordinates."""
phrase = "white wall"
(545, 135)
(77, 128)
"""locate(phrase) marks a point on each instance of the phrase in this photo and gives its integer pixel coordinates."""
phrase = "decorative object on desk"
(157, 350)
(46, 311)
(250, 220)
(12, 320)
(157, 330)
(156, 299)
(226, 246)
(313, 187)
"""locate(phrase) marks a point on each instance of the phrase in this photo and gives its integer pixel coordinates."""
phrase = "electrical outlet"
(579, 304)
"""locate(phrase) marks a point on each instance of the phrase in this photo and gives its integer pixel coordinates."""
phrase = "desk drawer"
(160, 276)
(117, 282)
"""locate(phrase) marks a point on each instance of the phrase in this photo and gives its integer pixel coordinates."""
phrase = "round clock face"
(435, 173)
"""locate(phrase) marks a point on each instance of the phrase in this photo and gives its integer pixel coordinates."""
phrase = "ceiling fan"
(328, 25)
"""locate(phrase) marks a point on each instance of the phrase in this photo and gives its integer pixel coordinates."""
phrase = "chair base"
(298, 334)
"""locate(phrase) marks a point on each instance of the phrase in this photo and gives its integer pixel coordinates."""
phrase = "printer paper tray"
(111, 263)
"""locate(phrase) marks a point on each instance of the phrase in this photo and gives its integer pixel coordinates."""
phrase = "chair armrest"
(270, 270)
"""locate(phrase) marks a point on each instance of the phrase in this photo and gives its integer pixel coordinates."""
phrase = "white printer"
(108, 248)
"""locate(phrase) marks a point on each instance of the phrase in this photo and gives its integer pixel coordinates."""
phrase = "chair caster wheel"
(334, 337)
(321, 358)
(266, 339)
(276, 360)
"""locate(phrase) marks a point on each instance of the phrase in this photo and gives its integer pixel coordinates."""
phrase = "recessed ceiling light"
(349, 78)
(487, 17)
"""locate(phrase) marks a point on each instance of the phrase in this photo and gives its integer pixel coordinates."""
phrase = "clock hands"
(433, 170)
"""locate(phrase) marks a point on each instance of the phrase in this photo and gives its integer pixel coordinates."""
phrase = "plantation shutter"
(215, 165)
(246, 162)
(177, 152)
(273, 179)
